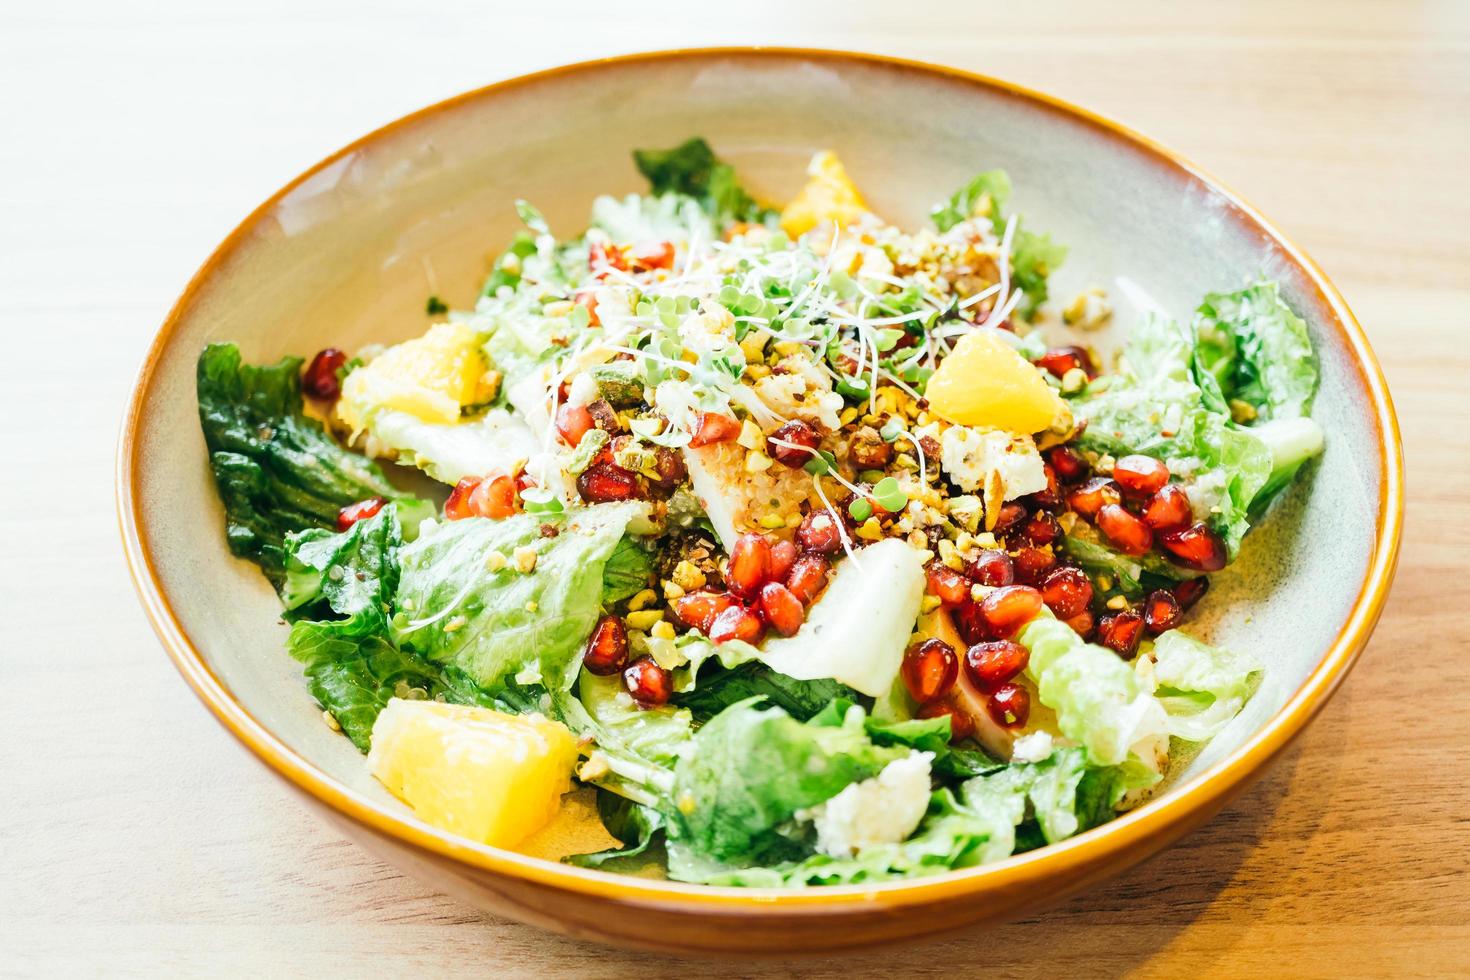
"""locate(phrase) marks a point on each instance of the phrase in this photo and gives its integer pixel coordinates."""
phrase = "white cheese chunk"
(969, 454)
(882, 810)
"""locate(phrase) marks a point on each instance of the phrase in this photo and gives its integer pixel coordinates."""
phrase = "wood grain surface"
(138, 838)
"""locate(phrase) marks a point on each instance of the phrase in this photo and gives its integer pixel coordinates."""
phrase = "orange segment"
(985, 382)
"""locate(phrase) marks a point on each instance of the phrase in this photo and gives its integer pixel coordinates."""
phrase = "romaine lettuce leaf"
(1099, 702)
(1200, 686)
(802, 699)
(954, 834)
(277, 470)
(748, 771)
(352, 666)
(497, 622)
(629, 570)
(1250, 347)
(693, 170)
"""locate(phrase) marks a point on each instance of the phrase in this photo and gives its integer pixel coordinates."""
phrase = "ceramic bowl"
(347, 253)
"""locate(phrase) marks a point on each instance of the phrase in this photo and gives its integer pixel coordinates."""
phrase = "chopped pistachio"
(642, 600)
(525, 558)
(644, 619)
(688, 576)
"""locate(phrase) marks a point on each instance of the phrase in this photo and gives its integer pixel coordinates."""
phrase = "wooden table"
(139, 838)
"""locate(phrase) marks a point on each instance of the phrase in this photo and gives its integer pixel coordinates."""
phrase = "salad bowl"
(346, 254)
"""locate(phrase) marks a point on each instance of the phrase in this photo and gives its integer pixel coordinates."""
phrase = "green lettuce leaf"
(277, 470)
(750, 770)
(1099, 702)
(502, 623)
(955, 834)
(352, 665)
(1250, 347)
(692, 169)
(629, 570)
(1200, 686)
(719, 689)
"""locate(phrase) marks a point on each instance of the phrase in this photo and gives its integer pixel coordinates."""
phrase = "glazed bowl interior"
(348, 255)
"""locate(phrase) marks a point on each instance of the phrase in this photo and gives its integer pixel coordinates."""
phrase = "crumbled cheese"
(969, 454)
(1031, 748)
(882, 810)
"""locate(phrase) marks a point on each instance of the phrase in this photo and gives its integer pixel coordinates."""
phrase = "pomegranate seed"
(1120, 633)
(970, 624)
(712, 428)
(1041, 529)
(1092, 496)
(320, 380)
(360, 511)
(1130, 535)
(1010, 515)
(993, 568)
(1033, 564)
(457, 507)
(604, 482)
(1195, 547)
(1060, 360)
(1082, 623)
(1161, 612)
(1068, 464)
(736, 623)
(1189, 592)
(1067, 592)
(795, 433)
(648, 683)
(668, 464)
(1051, 497)
(601, 257)
(781, 608)
(572, 423)
(1007, 609)
(960, 725)
(819, 533)
(930, 670)
(495, 497)
(1168, 510)
(698, 610)
(808, 577)
(749, 566)
(607, 647)
(991, 664)
(1010, 706)
(950, 586)
(1140, 475)
(783, 556)
(653, 255)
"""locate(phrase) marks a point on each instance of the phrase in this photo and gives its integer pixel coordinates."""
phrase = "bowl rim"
(1161, 819)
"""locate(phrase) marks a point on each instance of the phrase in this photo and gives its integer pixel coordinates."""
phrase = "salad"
(821, 551)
